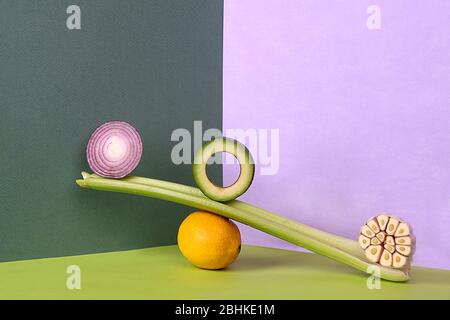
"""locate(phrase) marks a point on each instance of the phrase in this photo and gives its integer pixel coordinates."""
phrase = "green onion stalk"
(337, 248)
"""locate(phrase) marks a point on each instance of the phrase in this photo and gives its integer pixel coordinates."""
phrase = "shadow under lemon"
(210, 241)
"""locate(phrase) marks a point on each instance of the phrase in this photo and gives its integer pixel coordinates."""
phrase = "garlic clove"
(364, 242)
(398, 261)
(373, 253)
(381, 236)
(386, 259)
(389, 248)
(365, 230)
(390, 240)
(373, 225)
(382, 220)
(402, 230)
(403, 250)
(392, 226)
(404, 241)
(375, 241)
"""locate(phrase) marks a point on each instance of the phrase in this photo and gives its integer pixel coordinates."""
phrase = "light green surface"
(162, 273)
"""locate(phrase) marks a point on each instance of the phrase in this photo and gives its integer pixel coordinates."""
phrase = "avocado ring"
(246, 164)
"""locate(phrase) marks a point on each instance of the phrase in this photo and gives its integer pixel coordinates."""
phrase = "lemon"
(209, 241)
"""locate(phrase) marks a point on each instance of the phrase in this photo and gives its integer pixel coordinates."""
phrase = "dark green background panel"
(155, 64)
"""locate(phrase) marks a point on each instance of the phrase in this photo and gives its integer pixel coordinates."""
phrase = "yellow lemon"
(209, 241)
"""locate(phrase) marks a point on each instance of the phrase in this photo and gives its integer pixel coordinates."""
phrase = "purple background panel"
(364, 115)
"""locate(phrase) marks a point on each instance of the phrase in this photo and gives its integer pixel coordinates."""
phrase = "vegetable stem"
(307, 237)
(342, 243)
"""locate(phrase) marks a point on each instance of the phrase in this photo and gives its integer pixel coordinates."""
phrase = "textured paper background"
(155, 64)
(364, 116)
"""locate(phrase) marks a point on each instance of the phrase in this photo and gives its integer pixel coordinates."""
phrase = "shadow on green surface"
(288, 260)
(429, 276)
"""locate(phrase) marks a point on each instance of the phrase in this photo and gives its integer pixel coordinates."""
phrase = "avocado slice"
(246, 164)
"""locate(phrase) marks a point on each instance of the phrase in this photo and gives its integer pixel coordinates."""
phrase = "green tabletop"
(162, 273)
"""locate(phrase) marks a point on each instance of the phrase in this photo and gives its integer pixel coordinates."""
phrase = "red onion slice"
(114, 149)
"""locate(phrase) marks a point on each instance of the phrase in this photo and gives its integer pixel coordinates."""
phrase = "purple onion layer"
(114, 149)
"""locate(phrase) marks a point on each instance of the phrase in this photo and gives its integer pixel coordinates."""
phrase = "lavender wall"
(364, 115)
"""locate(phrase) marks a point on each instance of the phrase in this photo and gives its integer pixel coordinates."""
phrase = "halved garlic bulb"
(388, 241)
